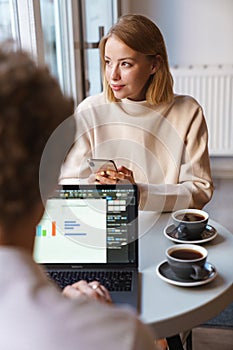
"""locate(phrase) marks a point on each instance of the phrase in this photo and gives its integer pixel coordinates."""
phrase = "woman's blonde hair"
(142, 35)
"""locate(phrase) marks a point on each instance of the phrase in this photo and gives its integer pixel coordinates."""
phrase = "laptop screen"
(89, 224)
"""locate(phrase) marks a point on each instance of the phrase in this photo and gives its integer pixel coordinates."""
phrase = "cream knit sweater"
(166, 146)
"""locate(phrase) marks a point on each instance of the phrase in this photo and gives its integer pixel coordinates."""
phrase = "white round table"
(170, 309)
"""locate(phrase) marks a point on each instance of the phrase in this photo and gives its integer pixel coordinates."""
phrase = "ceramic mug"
(187, 261)
(190, 223)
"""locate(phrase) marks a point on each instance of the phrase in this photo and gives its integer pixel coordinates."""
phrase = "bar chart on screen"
(71, 228)
(45, 230)
(48, 228)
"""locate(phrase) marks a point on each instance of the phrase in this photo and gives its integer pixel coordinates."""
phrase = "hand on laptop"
(93, 290)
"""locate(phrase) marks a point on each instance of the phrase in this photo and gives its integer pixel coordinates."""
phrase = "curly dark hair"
(32, 106)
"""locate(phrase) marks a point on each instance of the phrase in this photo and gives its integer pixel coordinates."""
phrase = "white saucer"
(164, 271)
(207, 235)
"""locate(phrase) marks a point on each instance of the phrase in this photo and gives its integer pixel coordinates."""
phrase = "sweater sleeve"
(194, 187)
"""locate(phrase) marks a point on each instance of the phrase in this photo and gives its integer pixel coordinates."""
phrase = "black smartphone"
(101, 164)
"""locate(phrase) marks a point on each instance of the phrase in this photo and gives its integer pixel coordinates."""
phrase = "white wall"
(195, 31)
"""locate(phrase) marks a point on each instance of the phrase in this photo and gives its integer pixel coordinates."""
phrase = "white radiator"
(212, 87)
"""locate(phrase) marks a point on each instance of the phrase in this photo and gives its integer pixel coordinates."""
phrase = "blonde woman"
(158, 139)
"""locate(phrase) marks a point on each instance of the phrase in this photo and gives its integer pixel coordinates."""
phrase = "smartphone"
(101, 164)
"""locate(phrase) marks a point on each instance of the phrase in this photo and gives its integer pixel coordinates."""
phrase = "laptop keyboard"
(112, 280)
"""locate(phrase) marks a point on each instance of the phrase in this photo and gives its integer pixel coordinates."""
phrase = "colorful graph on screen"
(72, 230)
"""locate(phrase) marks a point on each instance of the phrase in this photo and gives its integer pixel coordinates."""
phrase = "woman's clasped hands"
(110, 177)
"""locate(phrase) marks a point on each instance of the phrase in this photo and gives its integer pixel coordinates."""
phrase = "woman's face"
(127, 71)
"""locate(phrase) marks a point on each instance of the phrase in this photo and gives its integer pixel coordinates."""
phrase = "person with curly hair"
(34, 313)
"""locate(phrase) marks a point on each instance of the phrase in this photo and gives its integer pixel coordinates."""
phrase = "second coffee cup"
(187, 261)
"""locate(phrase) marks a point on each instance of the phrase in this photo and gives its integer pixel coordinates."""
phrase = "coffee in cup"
(190, 223)
(187, 261)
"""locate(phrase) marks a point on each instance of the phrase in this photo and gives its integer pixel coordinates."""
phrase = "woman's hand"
(93, 290)
(111, 177)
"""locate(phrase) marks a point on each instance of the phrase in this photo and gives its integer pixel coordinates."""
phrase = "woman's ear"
(156, 64)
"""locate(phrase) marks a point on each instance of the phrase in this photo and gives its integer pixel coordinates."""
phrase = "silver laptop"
(91, 232)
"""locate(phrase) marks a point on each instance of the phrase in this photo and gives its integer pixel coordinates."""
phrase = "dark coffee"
(186, 254)
(190, 217)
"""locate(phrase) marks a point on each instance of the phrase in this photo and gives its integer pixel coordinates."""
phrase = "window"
(8, 20)
(64, 35)
(5, 20)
